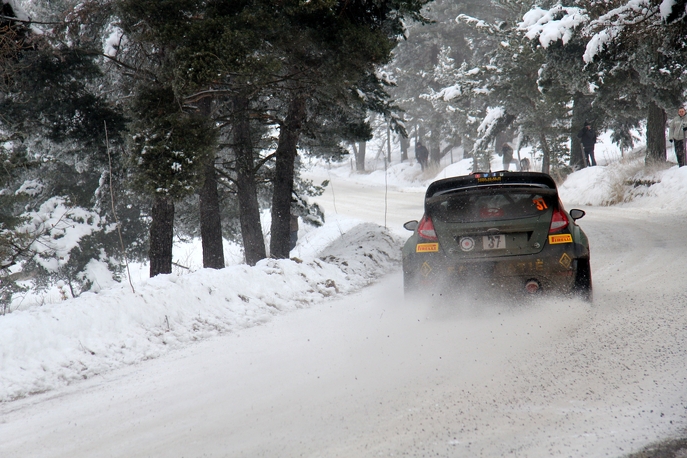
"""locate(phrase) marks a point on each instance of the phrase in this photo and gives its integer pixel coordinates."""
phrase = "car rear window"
(493, 204)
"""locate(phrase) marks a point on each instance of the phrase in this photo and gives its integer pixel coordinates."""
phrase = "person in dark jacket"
(421, 154)
(588, 138)
(507, 153)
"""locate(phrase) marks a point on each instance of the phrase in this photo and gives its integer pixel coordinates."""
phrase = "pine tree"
(169, 150)
(55, 117)
(428, 65)
(504, 91)
(172, 140)
(221, 60)
(333, 50)
(640, 46)
(274, 62)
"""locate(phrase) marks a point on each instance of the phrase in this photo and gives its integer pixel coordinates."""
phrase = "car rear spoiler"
(486, 179)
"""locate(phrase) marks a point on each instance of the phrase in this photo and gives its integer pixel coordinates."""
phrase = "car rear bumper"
(553, 269)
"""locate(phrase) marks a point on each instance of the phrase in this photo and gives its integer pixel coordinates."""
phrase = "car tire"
(583, 280)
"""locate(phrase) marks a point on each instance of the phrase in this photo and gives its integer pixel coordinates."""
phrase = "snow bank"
(402, 174)
(463, 167)
(589, 186)
(663, 190)
(47, 347)
(629, 184)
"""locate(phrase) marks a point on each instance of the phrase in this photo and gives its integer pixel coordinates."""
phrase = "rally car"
(504, 231)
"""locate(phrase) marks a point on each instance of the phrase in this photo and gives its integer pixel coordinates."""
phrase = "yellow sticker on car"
(488, 179)
(427, 248)
(565, 261)
(560, 238)
(425, 270)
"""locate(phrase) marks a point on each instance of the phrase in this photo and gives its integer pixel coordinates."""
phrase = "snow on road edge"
(51, 346)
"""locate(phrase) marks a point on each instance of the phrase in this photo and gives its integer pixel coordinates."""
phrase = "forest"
(127, 124)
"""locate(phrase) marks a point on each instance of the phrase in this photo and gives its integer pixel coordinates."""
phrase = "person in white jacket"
(676, 135)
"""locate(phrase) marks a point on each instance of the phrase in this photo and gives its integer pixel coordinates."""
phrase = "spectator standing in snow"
(421, 154)
(507, 153)
(676, 135)
(524, 165)
(588, 138)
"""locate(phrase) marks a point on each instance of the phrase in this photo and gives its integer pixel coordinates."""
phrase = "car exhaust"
(532, 286)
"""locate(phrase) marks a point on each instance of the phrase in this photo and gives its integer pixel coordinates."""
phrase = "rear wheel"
(583, 280)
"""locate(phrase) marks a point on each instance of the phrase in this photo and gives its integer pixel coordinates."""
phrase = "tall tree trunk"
(546, 159)
(581, 110)
(249, 209)
(360, 157)
(388, 143)
(435, 141)
(210, 220)
(435, 147)
(283, 177)
(404, 148)
(161, 236)
(655, 134)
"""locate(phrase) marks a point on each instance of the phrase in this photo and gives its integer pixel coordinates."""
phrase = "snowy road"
(370, 375)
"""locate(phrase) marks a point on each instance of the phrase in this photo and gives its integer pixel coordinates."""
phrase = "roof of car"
(487, 179)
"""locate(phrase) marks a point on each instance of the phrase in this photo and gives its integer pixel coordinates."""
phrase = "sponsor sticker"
(426, 247)
(565, 261)
(488, 179)
(425, 270)
(560, 238)
(467, 243)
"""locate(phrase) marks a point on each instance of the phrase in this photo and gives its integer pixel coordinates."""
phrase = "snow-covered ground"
(633, 390)
(47, 347)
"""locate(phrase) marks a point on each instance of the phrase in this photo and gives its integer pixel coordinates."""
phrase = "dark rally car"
(502, 230)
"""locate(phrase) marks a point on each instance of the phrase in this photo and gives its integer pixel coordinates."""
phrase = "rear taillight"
(558, 221)
(426, 229)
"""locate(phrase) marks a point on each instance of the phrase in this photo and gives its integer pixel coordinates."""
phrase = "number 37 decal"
(539, 202)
